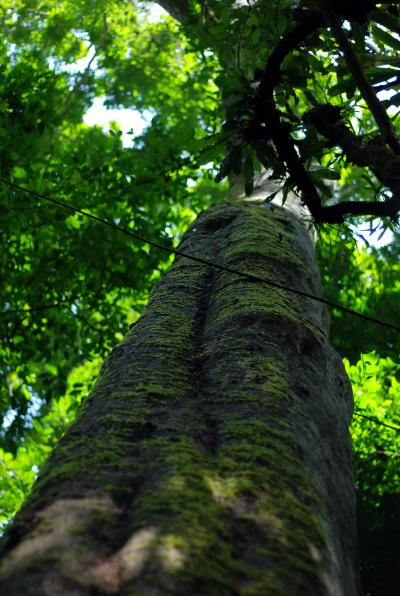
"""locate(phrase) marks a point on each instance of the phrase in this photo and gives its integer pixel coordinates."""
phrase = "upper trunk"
(213, 456)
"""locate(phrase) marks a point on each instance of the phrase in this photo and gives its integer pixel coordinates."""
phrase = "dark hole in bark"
(306, 346)
(144, 431)
(301, 391)
(212, 225)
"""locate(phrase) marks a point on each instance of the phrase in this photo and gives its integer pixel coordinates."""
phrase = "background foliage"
(70, 287)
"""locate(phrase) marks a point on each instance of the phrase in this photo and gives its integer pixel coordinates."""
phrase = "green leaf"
(327, 174)
(346, 85)
(386, 38)
(232, 163)
(18, 173)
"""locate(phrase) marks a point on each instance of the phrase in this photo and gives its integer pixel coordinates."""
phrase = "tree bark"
(179, 9)
(213, 457)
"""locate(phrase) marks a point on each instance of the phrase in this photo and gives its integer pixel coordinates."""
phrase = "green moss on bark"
(195, 439)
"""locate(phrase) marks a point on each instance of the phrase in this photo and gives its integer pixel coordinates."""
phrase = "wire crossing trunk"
(213, 457)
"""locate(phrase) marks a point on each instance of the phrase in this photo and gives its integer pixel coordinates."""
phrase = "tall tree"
(213, 455)
(214, 450)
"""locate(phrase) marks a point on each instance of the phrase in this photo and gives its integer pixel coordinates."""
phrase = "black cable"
(176, 252)
(40, 307)
(376, 421)
(15, 311)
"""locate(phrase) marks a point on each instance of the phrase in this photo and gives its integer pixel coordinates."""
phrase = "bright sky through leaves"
(130, 122)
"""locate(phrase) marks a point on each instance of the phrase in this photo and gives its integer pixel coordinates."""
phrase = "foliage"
(76, 286)
(51, 257)
(377, 450)
(18, 471)
(376, 384)
(364, 278)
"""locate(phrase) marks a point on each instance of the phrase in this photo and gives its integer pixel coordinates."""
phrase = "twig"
(239, 45)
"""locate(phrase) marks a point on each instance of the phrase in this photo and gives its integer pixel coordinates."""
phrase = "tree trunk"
(213, 457)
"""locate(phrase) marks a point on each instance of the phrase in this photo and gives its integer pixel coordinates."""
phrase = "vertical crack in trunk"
(207, 431)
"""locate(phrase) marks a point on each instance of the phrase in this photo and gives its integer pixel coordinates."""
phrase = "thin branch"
(79, 82)
(16, 311)
(59, 304)
(82, 79)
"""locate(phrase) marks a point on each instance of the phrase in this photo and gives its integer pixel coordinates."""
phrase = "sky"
(127, 120)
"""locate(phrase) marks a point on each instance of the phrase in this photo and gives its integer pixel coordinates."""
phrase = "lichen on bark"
(213, 456)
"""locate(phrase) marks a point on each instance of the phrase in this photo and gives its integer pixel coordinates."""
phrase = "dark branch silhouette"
(376, 155)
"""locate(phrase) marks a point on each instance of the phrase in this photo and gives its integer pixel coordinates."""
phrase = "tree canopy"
(71, 286)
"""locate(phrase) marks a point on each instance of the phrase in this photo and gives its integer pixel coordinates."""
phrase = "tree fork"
(213, 456)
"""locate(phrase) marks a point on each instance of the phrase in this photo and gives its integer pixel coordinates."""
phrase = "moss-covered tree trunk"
(213, 457)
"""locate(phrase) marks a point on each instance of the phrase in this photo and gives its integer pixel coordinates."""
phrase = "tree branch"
(271, 74)
(383, 162)
(268, 115)
(355, 68)
(374, 154)
(179, 9)
(279, 133)
(336, 213)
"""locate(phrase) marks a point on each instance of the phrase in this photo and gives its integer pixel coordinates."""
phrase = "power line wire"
(180, 253)
(376, 421)
(58, 304)
(15, 311)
